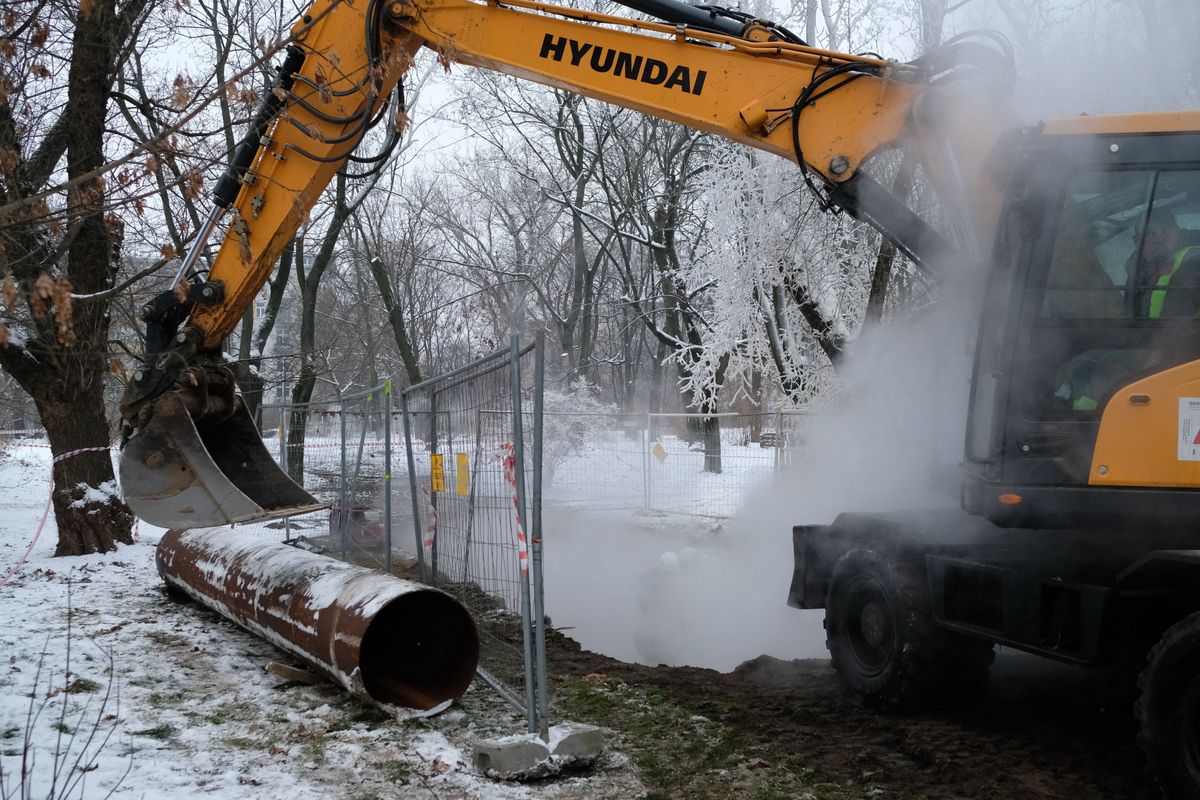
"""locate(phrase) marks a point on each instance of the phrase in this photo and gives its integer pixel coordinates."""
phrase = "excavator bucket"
(177, 473)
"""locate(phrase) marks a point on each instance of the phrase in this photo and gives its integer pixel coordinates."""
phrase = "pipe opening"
(419, 651)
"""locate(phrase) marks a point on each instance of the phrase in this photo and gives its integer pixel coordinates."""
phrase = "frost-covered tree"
(788, 283)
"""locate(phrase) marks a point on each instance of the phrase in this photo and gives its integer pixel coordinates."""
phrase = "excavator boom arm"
(741, 89)
(827, 111)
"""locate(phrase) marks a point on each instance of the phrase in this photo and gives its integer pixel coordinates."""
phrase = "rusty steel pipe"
(389, 640)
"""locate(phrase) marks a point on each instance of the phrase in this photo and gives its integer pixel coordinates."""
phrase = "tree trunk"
(72, 409)
(87, 506)
(245, 371)
(881, 275)
(712, 445)
(396, 318)
(310, 283)
(298, 420)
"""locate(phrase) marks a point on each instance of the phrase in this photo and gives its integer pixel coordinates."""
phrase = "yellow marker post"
(437, 473)
(463, 482)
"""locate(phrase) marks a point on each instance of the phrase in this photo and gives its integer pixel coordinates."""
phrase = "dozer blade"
(176, 473)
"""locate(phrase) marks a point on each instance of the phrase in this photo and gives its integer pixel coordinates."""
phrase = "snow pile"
(103, 494)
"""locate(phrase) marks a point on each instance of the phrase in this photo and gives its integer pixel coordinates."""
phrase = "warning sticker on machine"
(1189, 429)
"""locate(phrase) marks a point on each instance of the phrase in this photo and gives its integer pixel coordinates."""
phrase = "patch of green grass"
(314, 748)
(11, 732)
(160, 699)
(371, 716)
(396, 770)
(228, 712)
(61, 727)
(161, 732)
(676, 753)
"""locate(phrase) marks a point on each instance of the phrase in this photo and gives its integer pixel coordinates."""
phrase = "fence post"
(343, 518)
(779, 440)
(432, 443)
(412, 487)
(646, 439)
(284, 410)
(387, 474)
(535, 538)
(518, 443)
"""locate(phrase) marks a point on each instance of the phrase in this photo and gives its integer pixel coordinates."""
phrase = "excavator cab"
(1091, 329)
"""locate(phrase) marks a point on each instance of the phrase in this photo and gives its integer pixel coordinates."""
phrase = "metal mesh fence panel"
(668, 463)
(704, 466)
(339, 451)
(595, 460)
(470, 461)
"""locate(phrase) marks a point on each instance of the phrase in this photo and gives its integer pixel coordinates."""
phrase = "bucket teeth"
(180, 473)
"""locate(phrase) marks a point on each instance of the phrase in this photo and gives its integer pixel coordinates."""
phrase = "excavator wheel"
(1168, 710)
(884, 644)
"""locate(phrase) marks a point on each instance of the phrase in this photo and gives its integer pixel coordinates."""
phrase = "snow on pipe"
(388, 640)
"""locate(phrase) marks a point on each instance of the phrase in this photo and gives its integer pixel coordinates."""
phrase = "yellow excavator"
(1081, 489)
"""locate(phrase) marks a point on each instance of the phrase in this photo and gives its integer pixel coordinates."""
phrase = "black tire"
(1168, 710)
(884, 644)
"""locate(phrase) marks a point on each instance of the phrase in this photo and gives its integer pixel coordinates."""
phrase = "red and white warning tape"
(510, 476)
(4, 579)
(7, 577)
(430, 519)
(70, 453)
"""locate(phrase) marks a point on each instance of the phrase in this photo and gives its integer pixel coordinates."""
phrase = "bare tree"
(61, 239)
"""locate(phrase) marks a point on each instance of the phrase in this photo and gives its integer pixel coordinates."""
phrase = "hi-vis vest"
(1158, 297)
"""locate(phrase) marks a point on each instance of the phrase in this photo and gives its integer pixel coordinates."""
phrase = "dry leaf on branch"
(42, 289)
(9, 291)
(194, 184)
(63, 311)
(179, 97)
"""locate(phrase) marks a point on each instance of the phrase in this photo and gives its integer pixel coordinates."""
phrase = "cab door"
(1092, 313)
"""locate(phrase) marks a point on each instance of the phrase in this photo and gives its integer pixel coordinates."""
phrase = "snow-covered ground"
(610, 471)
(108, 686)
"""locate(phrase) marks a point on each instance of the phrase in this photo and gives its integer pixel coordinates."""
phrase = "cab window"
(1124, 247)
(1120, 292)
